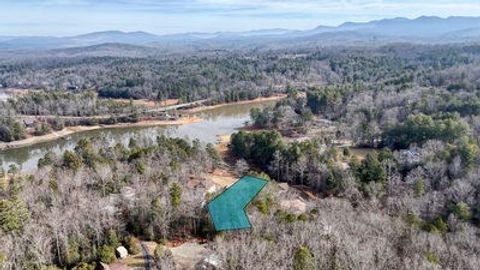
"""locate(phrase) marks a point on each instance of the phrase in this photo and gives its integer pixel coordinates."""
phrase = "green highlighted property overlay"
(228, 208)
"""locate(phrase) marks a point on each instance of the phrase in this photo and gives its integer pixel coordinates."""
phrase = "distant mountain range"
(420, 30)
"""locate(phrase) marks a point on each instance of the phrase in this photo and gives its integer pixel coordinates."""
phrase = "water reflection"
(220, 121)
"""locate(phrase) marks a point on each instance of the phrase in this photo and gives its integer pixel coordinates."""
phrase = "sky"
(72, 17)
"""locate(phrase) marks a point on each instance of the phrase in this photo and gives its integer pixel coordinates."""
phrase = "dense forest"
(412, 201)
(419, 178)
(229, 76)
(223, 77)
(425, 79)
(80, 206)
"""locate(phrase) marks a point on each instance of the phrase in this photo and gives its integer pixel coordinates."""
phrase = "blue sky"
(70, 17)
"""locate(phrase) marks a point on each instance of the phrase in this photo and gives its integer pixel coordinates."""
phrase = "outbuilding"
(121, 252)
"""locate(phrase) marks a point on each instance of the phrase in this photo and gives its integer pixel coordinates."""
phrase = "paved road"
(147, 257)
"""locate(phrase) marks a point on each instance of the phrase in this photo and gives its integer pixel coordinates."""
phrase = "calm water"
(220, 121)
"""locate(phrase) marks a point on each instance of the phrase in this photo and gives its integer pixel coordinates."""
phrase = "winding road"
(147, 257)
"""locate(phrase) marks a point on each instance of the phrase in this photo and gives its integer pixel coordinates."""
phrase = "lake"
(219, 121)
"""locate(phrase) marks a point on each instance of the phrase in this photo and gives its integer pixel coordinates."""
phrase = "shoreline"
(184, 120)
(78, 129)
(241, 102)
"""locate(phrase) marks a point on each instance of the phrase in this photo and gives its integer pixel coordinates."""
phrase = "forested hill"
(372, 157)
(230, 76)
(420, 30)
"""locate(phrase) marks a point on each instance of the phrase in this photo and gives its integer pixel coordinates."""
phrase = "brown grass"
(222, 145)
(222, 177)
(147, 102)
(169, 102)
(253, 101)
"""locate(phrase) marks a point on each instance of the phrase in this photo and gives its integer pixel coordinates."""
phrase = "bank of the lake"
(221, 120)
(32, 140)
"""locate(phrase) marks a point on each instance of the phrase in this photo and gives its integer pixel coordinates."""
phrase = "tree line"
(81, 205)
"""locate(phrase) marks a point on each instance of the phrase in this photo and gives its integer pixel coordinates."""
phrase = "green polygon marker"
(227, 210)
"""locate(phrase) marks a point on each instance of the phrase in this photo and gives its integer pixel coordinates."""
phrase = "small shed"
(121, 252)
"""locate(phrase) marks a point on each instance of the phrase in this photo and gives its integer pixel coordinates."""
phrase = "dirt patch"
(257, 100)
(361, 153)
(187, 255)
(149, 103)
(137, 261)
(222, 149)
(137, 102)
(222, 177)
(169, 102)
(134, 262)
(222, 145)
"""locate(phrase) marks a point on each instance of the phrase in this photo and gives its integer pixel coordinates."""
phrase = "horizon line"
(237, 32)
